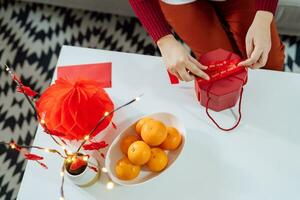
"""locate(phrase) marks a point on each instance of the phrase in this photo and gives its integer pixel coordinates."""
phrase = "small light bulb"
(138, 98)
(69, 152)
(42, 121)
(13, 146)
(61, 198)
(110, 185)
(63, 147)
(104, 170)
(86, 137)
(69, 160)
(73, 158)
(85, 158)
(62, 174)
(47, 150)
(106, 113)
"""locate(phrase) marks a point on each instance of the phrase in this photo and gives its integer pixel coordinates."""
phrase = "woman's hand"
(178, 60)
(258, 40)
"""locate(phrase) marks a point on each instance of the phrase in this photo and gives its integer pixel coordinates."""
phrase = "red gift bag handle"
(239, 110)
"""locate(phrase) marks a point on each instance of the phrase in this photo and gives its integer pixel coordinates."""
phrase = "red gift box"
(226, 83)
(226, 80)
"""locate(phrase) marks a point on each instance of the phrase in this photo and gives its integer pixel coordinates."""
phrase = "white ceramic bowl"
(114, 153)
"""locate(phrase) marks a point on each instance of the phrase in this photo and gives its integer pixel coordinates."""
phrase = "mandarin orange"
(139, 153)
(125, 170)
(158, 160)
(127, 141)
(173, 139)
(154, 132)
(140, 124)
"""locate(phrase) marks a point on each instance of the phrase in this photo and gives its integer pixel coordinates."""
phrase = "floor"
(31, 36)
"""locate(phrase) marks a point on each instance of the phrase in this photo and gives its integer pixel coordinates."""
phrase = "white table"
(257, 161)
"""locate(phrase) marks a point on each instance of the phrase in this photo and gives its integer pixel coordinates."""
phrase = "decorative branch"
(69, 157)
(106, 114)
(62, 174)
(13, 145)
(20, 86)
(29, 99)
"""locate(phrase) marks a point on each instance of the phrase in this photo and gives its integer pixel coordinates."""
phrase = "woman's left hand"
(258, 40)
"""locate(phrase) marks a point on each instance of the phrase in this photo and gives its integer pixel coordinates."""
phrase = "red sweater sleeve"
(152, 18)
(267, 5)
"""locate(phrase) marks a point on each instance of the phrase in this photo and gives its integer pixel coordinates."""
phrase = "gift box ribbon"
(239, 111)
(216, 70)
(221, 69)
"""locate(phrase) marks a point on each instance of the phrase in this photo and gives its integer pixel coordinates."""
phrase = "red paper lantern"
(74, 107)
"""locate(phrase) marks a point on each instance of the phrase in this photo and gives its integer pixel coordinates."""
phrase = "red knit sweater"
(152, 18)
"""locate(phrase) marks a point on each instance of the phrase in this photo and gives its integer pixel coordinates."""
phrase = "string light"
(86, 137)
(6, 68)
(139, 97)
(85, 158)
(12, 145)
(62, 173)
(70, 155)
(103, 118)
(69, 152)
(104, 170)
(73, 158)
(110, 185)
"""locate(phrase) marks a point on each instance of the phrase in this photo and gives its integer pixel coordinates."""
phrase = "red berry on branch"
(31, 156)
(27, 90)
(93, 168)
(43, 165)
(95, 145)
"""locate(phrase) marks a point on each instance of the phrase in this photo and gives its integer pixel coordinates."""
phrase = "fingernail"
(207, 78)
(205, 67)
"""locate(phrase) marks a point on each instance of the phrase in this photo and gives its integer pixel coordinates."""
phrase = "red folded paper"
(173, 78)
(100, 72)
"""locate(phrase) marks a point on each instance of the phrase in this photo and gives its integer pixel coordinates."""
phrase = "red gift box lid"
(214, 56)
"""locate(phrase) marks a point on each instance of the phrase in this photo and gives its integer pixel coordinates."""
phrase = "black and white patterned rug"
(31, 36)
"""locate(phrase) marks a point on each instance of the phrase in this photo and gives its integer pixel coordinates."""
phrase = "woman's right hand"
(178, 60)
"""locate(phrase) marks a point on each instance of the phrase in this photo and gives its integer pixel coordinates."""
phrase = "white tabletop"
(259, 160)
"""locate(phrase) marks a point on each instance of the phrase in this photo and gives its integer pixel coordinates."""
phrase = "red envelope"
(100, 72)
(173, 78)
